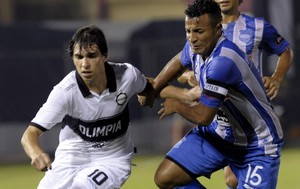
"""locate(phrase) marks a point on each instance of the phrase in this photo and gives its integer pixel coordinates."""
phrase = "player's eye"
(92, 55)
(78, 56)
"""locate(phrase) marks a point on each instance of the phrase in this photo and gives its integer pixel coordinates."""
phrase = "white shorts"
(103, 175)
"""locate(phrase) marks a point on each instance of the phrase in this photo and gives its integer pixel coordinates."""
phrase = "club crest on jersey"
(121, 98)
(246, 36)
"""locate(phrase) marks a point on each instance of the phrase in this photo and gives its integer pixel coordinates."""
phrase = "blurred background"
(146, 33)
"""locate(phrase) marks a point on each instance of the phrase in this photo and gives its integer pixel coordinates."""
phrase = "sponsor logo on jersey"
(100, 130)
(279, 39)
(222, 117)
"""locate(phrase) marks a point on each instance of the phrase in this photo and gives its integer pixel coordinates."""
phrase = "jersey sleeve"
(185, 56)
(220, 74)
(139, 81)
(272, 41)
(53, 110)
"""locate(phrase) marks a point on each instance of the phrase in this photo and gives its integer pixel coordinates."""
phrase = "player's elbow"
(204, 121)
(291, 54)
(24, 140)
(204, 115)
(288, 54)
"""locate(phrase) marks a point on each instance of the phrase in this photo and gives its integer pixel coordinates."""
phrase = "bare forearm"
(197, 114)
(184, 94)
(169, 73)
(171, 91)
(283, 64)
(30, 143)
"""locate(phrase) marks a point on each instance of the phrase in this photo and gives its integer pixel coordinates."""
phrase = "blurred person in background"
(229, 132)
(95, 148)
(255, 36)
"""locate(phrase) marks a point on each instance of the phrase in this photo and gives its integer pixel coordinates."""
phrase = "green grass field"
(25, 177)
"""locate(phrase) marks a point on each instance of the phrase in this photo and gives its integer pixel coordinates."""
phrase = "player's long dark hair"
(86, 37)
(201, 7)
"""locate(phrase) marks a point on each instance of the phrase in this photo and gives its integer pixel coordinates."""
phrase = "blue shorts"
(200, 157)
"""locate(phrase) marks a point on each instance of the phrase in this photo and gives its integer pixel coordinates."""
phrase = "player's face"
(228, 6)
(89, 62)
(201, 34)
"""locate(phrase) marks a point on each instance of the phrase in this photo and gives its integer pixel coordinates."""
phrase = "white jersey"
(95, 127)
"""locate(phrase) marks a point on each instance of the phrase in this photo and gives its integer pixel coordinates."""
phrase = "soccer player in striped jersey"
(250, 142)
(91, 103)
(253, 36)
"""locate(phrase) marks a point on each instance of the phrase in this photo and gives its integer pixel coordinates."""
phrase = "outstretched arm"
(171, 70)
(272, 84)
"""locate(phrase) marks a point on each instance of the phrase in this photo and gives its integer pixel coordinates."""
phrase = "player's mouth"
(224, 4)
(196, 47)
(86, 74)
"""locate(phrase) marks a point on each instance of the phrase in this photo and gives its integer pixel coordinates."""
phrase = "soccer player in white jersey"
(251, 143)
(95, 148)
(253, 36)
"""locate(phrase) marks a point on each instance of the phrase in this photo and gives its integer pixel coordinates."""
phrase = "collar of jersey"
(111, 81)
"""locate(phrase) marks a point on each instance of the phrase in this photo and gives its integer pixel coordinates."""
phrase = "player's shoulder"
(68, 82)
(228, 48)
(122, 68)
(252, 18)
(119, 65)
(226, 43)
(254, 23)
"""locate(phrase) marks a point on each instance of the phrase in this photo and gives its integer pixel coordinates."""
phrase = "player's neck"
(96, 86)
(230, 17)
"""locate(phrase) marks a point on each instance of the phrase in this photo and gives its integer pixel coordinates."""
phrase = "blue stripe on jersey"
(251, 23)
(186, 56)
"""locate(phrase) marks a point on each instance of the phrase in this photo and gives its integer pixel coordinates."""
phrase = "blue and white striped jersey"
(231, 82)
(254, 35)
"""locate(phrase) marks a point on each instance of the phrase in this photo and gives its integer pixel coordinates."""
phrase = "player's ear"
(105, 58)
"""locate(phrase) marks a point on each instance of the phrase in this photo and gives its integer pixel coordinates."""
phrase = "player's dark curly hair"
(201, 7)
(86, 37)
(240, 2)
